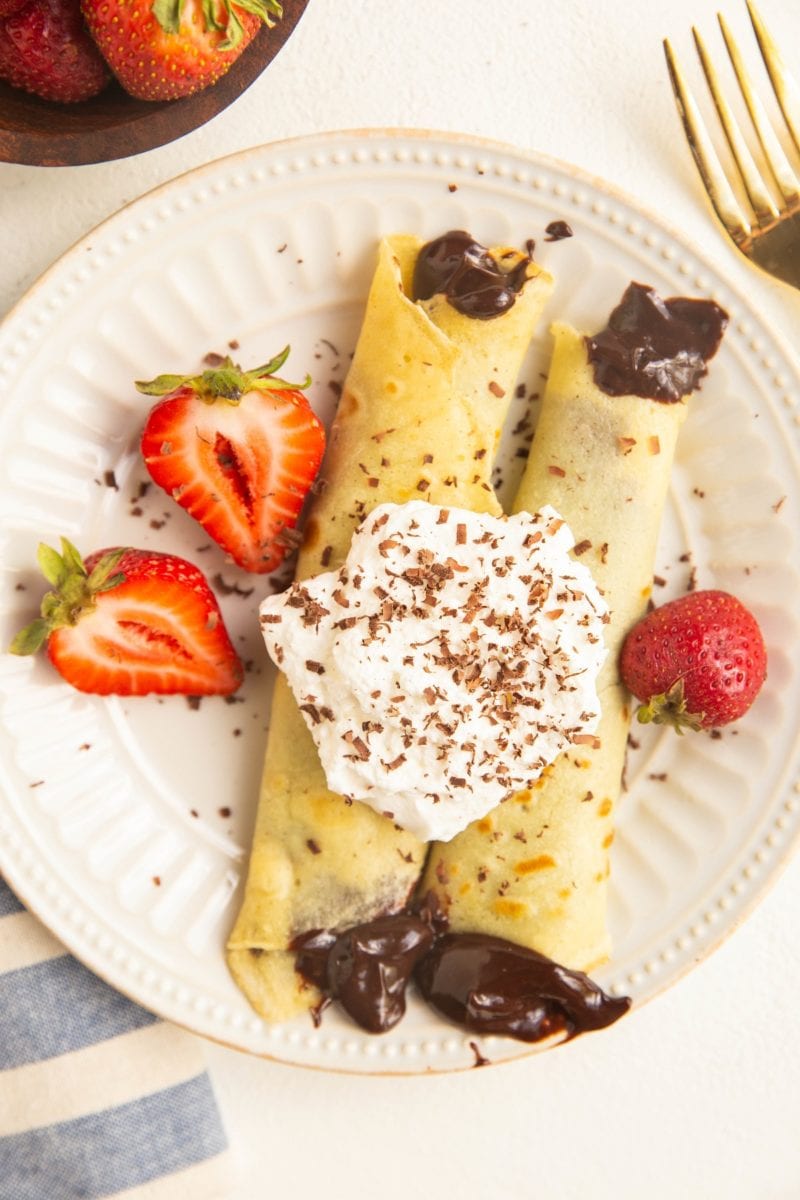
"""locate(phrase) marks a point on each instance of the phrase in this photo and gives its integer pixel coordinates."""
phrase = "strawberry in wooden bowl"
(174, 48)
(46, 49)
(208, 61)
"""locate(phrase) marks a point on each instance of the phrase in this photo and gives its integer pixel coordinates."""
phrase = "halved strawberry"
(130, 622)
(239, 451)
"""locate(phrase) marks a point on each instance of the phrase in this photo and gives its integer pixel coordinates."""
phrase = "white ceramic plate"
(125, 824)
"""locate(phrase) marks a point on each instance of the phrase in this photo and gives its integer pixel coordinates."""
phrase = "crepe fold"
(420, 417)
(535, 870)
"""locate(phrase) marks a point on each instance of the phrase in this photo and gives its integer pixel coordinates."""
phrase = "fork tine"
(757, 191)
(782, 81)
(773, 151)
(714, 179)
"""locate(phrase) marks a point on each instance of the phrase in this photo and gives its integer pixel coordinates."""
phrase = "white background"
(696, 1094)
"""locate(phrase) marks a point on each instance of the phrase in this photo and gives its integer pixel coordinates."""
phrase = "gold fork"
(769, 235)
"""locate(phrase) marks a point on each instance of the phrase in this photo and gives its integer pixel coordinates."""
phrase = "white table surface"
(696, 1094)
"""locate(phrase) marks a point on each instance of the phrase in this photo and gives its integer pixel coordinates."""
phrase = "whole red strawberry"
(697, 662)
(239, 451)
(130, 622)
(45, 49)
(165, 49)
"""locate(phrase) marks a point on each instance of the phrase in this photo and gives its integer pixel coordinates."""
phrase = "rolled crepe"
(420, 417)
(535, 870)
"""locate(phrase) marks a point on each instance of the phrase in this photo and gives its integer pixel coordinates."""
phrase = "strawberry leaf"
(669, 708)
(273, 384)
(162, 385)
(72, 558)
(234, 31)
(31, 638)
(265, 379)
(210, 16)
(168, 14)
(101, 579)
(51, 564)
(74, 592)
(264, 9)
(274, 364)
(225, 382)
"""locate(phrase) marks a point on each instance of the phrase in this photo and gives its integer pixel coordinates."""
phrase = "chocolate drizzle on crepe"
(456, 266)
(484, 983)
(654, 348)
(366, 968)
(490, 985)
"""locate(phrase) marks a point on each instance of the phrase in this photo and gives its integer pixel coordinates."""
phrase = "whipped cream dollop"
(452, 657)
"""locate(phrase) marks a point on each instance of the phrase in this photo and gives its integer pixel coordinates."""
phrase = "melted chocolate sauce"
(558, 230)
(367, 968)
(312, 950)
(480, 1059)
(654, 348)
(493, 986)
(481, 982)
(458, 267)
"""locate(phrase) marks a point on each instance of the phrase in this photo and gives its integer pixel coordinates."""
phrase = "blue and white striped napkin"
(98, 1097)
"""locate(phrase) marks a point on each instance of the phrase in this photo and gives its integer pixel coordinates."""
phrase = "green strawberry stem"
(74, 592)
(669, 708)
(168, 13)
(226, 382)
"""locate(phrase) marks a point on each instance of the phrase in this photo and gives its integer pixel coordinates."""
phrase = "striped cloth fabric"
(97, 1096)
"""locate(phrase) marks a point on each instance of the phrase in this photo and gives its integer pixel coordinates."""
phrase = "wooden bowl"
(113, 124)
